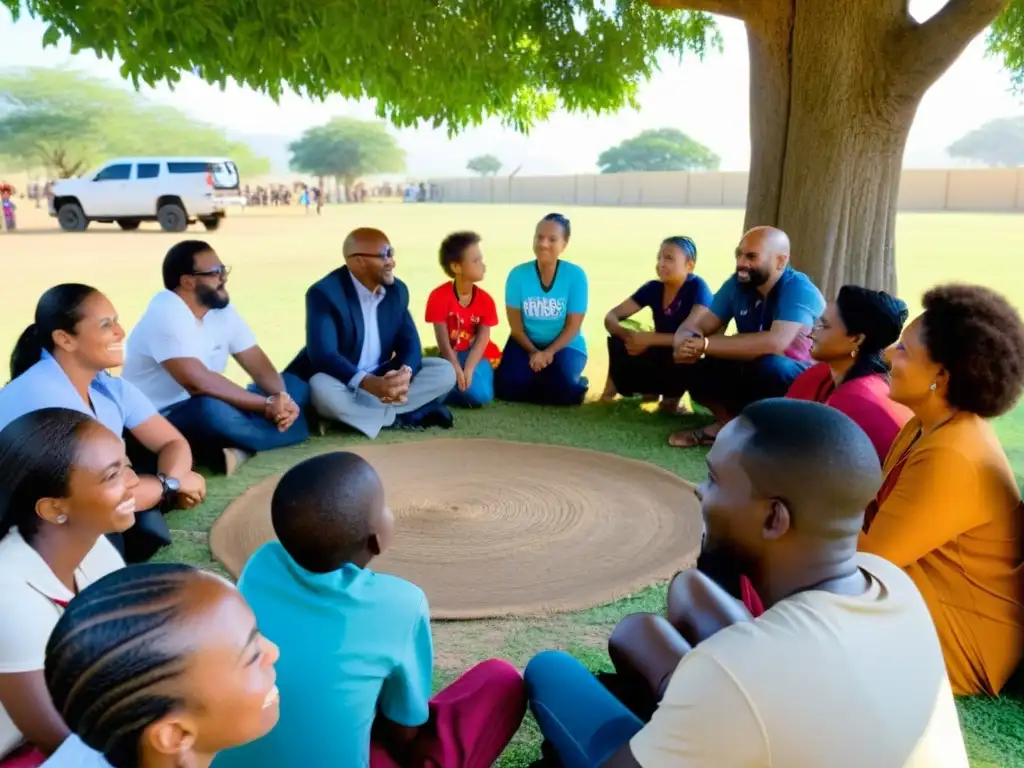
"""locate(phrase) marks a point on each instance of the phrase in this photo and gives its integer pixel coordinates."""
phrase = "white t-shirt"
(75, 753)
(28, 613)
(168, 330)
(818, 680)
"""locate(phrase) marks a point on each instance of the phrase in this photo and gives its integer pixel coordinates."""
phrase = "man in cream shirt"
(842, 669)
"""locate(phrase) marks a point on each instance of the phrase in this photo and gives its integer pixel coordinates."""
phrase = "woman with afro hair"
(949, 509)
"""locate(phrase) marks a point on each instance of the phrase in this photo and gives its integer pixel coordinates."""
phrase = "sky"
(706, 99)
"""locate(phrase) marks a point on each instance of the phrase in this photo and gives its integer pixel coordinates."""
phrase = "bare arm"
(517, 331)
(613, 320)
(745, 346)
(158, 436)
(573, 323)
(398, 740)
(255, 362)
(27, 702)
(197, 379)
(444, 345)
(622, 759)
(476, 353)
(700, 322)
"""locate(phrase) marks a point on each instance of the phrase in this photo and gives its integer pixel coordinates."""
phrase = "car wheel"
(172, 218)
(211, 222)
(71, 218)
(128, 224)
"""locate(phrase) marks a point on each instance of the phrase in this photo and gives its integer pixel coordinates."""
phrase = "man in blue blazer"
(363, 358)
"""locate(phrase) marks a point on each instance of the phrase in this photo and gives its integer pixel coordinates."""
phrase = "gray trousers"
(360, 410)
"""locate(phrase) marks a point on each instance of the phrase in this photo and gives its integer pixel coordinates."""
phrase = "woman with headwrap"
(851, 376)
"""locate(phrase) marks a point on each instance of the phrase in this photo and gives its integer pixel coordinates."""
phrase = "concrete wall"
(995, 189)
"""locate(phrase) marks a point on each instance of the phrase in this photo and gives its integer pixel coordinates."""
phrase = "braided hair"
(107, 670)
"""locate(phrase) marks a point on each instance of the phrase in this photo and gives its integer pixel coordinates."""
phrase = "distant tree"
(485, 165)
(998, 142)
(68, 122)
(347, 148)
(665, 149)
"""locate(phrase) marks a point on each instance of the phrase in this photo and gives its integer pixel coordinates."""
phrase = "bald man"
(363, 357)
(843, 669)
(774, 308)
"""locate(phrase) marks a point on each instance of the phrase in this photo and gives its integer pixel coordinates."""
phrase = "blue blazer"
(335, 332)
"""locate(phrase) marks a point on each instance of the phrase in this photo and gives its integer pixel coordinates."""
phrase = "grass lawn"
(276, 254)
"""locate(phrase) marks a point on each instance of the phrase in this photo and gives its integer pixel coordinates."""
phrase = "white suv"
(175, 191)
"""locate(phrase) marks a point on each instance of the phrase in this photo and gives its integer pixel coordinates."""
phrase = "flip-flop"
(692, 438)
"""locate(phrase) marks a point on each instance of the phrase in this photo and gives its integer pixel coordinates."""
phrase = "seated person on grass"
(61, 361)
(178, 352)
(641, 363)
(546, 300)
(774, 307)
(363, 358)
(463, 314)
(356, 651)
(844, 634)
(850, 340)
(949, 510)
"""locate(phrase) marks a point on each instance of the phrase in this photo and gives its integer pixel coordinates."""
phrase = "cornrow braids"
(107, 671)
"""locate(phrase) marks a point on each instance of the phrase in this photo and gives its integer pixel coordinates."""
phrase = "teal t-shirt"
(351, 641)
(545, 311)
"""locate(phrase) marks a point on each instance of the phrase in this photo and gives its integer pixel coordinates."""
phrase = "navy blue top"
(694, 291)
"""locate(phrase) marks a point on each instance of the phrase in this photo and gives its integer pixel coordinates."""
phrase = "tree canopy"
(485, 165)
(347, 148)
(66, 122)
(998, 142)
(664, 149)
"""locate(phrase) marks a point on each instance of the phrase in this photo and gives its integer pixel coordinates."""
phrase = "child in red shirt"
(463, 315)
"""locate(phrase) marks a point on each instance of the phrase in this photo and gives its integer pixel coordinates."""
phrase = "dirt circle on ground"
(490, 528)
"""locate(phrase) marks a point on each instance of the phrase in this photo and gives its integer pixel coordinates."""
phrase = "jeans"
(210, 425)
(561, 383)
(735, 384)
(481, 389)
(584, 722)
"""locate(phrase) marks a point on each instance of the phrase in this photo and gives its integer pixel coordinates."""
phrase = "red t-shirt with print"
(443, 307)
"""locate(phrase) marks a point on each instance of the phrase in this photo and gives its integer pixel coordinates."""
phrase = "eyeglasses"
(220, 271)
(386, 252)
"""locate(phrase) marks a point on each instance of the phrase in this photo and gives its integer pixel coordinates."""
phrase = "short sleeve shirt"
(443, 306)
(780, 690)
(168, 330)
(352, 642)
(116, 403)
(545, 310)
(30, 591)
(793, 299)
(75, 753)
(667, 319)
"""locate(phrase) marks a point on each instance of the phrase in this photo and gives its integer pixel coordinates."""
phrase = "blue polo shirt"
(545, 310)
(793, 299)
(352, 641)
(117, 404)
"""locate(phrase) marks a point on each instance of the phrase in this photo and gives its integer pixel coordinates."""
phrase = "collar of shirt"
(51, 367)
(28, 565)
(366, 296)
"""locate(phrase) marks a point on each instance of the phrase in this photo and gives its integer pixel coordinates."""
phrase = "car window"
(225, 175)
(188, 167)
(118, 172)
(147, 170)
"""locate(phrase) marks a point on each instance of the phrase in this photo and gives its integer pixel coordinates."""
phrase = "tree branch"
(926, 50)
(736, 9)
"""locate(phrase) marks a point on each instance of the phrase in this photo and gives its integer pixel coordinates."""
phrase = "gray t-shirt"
(74, 753)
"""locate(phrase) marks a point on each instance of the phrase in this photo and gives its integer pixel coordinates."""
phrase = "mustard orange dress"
(949, 513)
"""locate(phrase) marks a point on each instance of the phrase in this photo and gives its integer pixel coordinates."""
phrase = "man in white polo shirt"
(178, 352)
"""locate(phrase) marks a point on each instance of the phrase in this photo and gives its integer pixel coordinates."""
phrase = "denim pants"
(559, 384)
(210, 425)
(581, 719)
(735, 384)
(481, 389)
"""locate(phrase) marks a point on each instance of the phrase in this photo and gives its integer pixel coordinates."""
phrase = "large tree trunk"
(834, 87)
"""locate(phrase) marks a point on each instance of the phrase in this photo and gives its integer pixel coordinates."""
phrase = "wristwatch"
(171, 485)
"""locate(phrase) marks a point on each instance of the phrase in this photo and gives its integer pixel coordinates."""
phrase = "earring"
(61, 519)
(932, 387)
(853, 353)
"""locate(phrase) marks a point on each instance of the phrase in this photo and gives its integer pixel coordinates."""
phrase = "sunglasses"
(386, 252)
(220, 271)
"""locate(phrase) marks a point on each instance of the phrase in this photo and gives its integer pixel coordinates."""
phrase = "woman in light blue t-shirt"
(546, 300)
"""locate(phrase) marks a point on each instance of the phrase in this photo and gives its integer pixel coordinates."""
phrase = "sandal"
(692, 438)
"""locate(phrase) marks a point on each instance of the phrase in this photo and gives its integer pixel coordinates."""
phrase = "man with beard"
(844, 667)
(363, 358)
(177, 354)
(774, 307)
